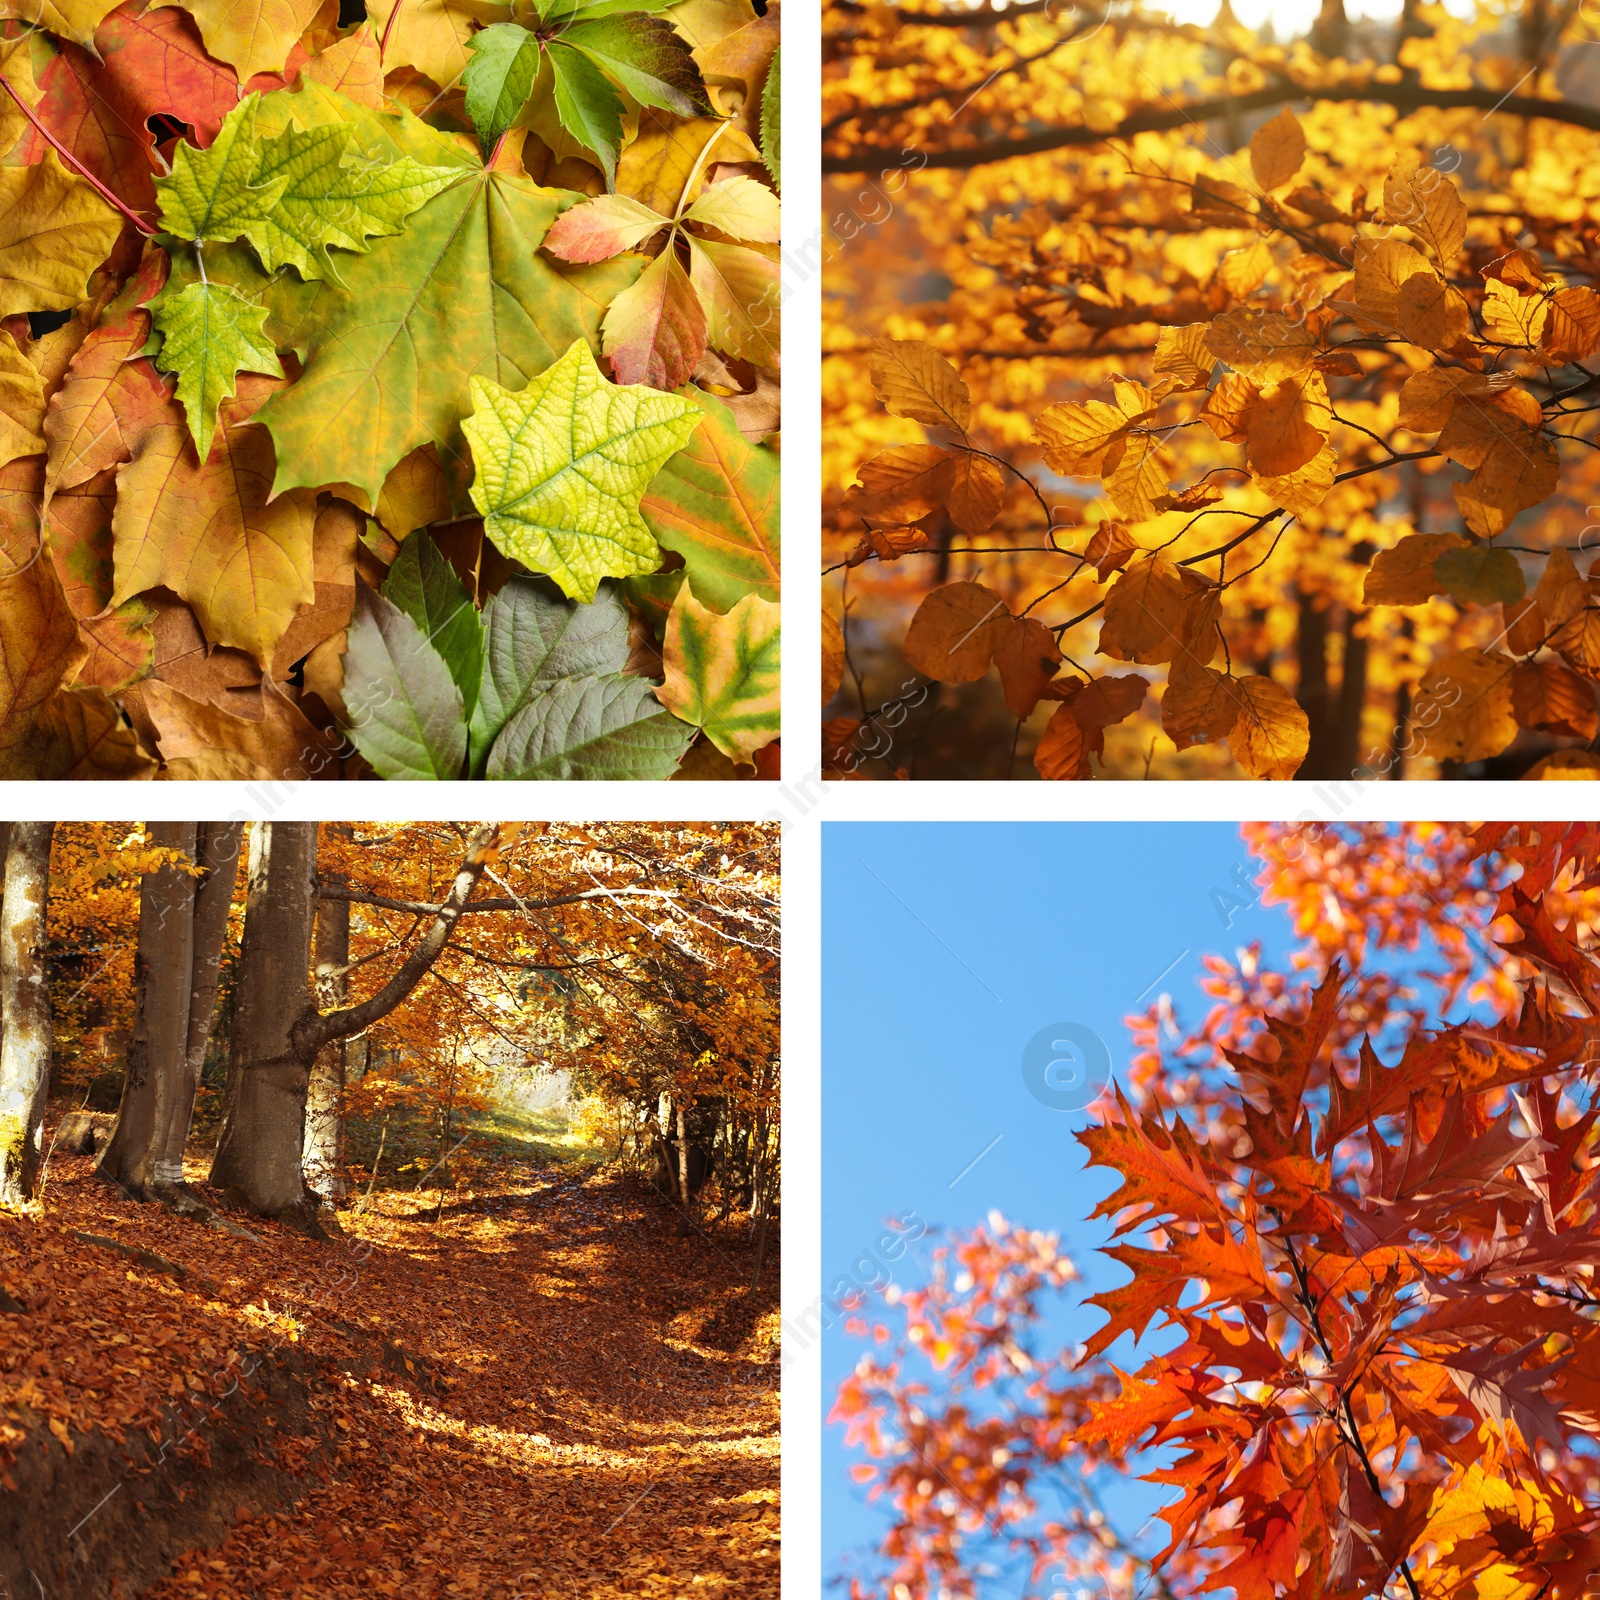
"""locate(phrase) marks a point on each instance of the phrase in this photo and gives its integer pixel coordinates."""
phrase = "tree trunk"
(157, 1051)
(25, 1006)
(258, 1157)
(1312, 644)
(278, 1032)
(1352, 698)
(323, 1156)
(217, 851)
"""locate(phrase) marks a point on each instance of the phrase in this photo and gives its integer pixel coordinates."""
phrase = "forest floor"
(544, 1389)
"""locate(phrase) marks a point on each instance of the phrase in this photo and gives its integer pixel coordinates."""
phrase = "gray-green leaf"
(406, 713)
(534, 638)
(608, 727)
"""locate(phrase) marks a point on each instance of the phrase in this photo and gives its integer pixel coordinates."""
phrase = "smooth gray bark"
(163, 964)
(323, 1157)
(25, 1005)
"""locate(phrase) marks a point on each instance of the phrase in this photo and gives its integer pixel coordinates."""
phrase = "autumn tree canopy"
(1200, 403)
(1357, 1352)
(388, 395)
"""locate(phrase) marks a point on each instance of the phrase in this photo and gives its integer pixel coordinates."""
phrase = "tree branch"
(1154, 119)
(315, 1029)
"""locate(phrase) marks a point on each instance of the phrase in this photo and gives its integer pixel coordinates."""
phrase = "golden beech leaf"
(1145, 612)
(977, 492)
(1271, 735)
(1109, 547)
(1202, 614)
(1548, 695)
(1027, 657)
(1513, 316)
(956, 631)
(1561, 592)
(1382, 266)
(1134, 476)
(1572, 328)
(1288, 424)
(1227, 408)
(1183, 353)
(904, 483)
(1265, 345)
(913, 380)
(1432, 314)
(1076, 435)
(1463, 706)
(1062, 754)
(1428, 397)
(1306, 487)
(1277, 149)
(1200, 706)
(1424, 200)
(1241, 272)
(1404, 576)
(1577, 640)
(1194, 498)
(888, 544)
(1220, 203)
(832, 652)
(1520, 269)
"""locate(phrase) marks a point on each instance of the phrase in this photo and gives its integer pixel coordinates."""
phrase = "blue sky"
(946, 949)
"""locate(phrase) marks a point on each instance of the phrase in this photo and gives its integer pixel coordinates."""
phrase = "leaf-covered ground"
(568, 1397)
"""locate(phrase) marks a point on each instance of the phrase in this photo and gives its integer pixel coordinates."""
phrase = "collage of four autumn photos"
(390, 392)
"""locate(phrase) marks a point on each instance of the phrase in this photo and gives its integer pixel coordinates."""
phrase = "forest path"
(541, 1390)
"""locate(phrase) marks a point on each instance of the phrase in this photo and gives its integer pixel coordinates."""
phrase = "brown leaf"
(1062, 754)
(1028, 658)
(1547, 695)
(203, 741)
(976, 494)
(1199, 706)
(913, 380)
(1109, 547)
(956, 631)
(905, 483)
(1272, 734)
(1572, 329)
(1404, 576)
(1144, 613)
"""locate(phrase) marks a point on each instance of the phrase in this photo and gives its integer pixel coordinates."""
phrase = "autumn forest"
(1210, 401)
(388, 1208)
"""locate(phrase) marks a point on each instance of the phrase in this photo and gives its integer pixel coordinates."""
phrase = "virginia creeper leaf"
(505, 61)
(772, 118)
(561, 466)
(644, 55)
(589, 108)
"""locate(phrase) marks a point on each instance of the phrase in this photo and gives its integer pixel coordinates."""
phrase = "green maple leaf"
(722, 672)
(772, 118)
(212, 193)
(561, 466)
(326, 199)
(208, 334)
(389, 351)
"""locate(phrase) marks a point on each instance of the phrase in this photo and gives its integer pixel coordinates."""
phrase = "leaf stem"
(77, 166)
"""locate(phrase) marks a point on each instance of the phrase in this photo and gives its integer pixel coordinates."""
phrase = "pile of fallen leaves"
(396, 399)
(544, 1389)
